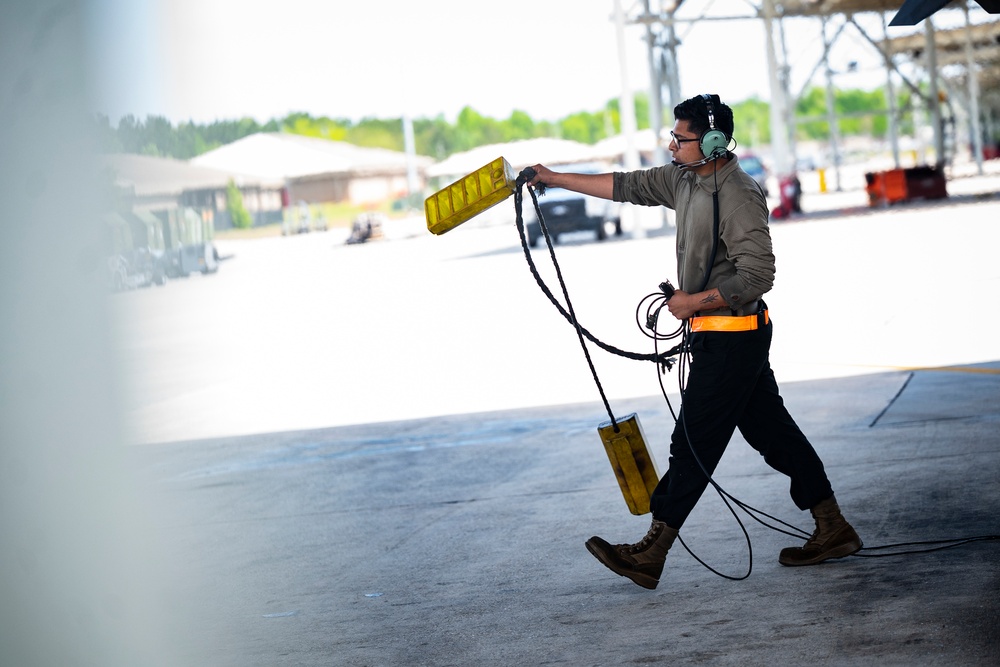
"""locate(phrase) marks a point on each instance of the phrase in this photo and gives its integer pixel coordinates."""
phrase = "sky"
(205, 60)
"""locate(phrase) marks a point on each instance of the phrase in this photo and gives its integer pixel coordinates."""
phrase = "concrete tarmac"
(460, 540)
(429, 537)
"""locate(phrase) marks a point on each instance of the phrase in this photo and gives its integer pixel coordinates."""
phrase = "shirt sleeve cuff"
(734, 292)
(616, 193)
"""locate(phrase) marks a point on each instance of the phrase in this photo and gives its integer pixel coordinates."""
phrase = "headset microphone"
(696, 163)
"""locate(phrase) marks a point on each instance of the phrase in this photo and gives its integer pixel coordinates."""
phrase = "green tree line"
(863, 114)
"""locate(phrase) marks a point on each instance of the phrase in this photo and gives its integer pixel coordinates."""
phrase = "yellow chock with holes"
(631, 461)
(469, 196)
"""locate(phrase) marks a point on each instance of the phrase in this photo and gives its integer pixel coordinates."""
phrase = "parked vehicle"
(301, 220)
(187, 238)
(149, 245)
(143, 248)
(127, 265)
(366, 227)
(566, 211)
(754, 166)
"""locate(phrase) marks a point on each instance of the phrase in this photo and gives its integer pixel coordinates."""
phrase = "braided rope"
(568, 312)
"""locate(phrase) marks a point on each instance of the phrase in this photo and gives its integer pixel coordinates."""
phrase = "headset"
(714, 142)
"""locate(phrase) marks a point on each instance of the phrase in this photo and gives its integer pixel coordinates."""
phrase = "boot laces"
(826, 528)
(642, 544)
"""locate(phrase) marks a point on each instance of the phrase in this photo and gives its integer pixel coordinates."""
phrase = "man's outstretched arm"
(597, 185)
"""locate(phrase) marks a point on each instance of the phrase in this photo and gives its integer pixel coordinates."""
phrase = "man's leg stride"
(833, 538)
(641, 562)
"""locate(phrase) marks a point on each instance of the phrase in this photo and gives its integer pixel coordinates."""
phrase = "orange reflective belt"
(724, 323)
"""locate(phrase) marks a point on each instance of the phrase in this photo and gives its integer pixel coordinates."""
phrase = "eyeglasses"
(679, 141)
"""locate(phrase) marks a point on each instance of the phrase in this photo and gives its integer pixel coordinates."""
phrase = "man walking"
(725, 266)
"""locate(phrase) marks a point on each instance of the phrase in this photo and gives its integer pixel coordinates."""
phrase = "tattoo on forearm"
(711, 298)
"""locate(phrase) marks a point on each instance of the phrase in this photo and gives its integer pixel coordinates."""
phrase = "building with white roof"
(319, 170)
(519, 154)
(160, 184)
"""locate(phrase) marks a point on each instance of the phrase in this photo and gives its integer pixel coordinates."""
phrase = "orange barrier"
(900, 185)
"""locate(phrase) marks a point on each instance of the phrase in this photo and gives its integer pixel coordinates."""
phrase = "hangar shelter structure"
(954, 73)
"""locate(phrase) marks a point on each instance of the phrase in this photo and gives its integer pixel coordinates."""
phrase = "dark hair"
(695, 112)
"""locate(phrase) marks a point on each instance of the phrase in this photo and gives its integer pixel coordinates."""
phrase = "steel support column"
(890, 93)
(655, 92)
(831, 110)
(973, 82)
(779, 103)
(627, 102)
(934, 96)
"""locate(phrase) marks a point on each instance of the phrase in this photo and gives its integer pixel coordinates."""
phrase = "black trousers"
(730, 385)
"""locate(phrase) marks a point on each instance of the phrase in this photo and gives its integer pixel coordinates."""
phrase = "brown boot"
(833, 538)
(641, 562)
